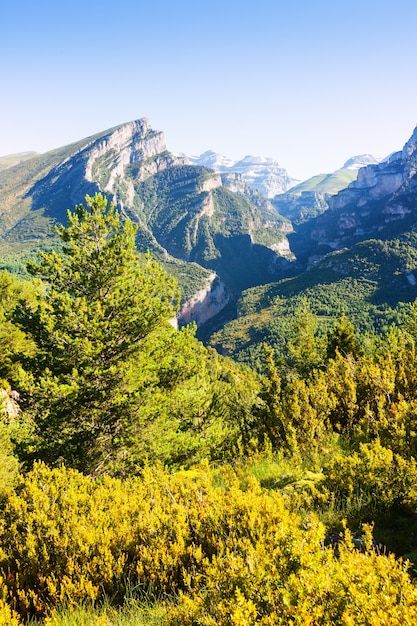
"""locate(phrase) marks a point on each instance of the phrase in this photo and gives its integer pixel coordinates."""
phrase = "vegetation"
(206, 224)
(310, 197)
(146, 479)
(372, 283)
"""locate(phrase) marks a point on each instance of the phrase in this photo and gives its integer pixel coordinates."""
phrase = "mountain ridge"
(184, 213)
(311, 197)
(381, 202)
(263, 174)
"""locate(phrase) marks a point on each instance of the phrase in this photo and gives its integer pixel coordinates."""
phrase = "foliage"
(371, 284)
(8, 461)
(102, 300)
(111, 382)
(233, 552)
(371, 480)
(341, 338)
(132, 613)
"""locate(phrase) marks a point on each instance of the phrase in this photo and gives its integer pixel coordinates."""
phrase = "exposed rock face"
(261, 173)
(374, 182)
(236, 183)
(381, 202)
(130, 143)
(205, 304)
(361, 160)
(183, 212)
(9, 399)
(301, 207)
(134, 143)
(311, 197)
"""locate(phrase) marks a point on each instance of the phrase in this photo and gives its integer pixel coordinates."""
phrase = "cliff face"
(206, 303)
(312, 197)
(130, 143)
(183, 212)
(380, 203)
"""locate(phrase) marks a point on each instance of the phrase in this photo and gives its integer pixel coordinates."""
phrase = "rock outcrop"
(184, 212)
(381, 203)
(311, 197)
(205, 304)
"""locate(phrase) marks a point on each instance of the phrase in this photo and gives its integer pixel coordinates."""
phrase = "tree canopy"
(101, 301)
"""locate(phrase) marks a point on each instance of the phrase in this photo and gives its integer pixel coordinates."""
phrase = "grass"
(132, 613)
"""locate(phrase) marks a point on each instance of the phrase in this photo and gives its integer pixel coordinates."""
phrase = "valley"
(209, 392)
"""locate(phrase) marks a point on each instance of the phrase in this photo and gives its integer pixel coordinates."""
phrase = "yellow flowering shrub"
(257, 586)
(8, 617)
(231, 552)
(374, 477)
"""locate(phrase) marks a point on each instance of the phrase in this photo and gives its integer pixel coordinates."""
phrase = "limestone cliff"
(261, 173)
(380, 203)
(311, 197)
(183, 212)
(205, 303)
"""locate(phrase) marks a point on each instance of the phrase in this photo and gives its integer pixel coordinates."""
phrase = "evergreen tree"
(303, 352)
(342, 339)
(101, 303)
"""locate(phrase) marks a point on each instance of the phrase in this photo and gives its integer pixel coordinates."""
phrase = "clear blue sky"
(307, 82)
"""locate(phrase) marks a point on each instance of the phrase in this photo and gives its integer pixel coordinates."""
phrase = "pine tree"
(102, 301)
(342, 339)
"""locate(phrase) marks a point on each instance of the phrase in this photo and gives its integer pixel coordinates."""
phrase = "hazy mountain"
(359, 256)
(311, 197)
(261, 173)
(13, 159)
(208, 235)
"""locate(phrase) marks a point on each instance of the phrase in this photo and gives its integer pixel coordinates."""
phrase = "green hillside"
(183, 213)
(326, 183)
(146, 479)
(191, 216)
(11, 160)
(370, 283)
(309, 198)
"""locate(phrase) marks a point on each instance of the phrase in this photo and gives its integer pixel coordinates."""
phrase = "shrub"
(230, 552)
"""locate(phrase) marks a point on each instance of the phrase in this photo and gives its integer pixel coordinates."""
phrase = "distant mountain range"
(346, 240)
(311, 197)
(359, 256)
(261, 173)
(381, 202)
(215, 239)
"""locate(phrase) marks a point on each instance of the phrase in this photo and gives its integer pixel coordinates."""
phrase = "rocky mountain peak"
(410, 147)
(362, 160)
(379, 203)
(212, 160)
(130, 143)
(263, 174)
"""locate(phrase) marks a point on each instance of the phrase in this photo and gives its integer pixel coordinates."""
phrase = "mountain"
(359, 256)
(242, 266)
(261, 173)
(381, 203)
(311, 197)
(370, 283)
(216, 241)
(13, 159)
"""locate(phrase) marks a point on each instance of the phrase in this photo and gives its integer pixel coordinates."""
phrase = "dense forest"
(146, 479)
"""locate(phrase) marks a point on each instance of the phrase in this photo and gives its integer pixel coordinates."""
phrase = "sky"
(309, 83)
